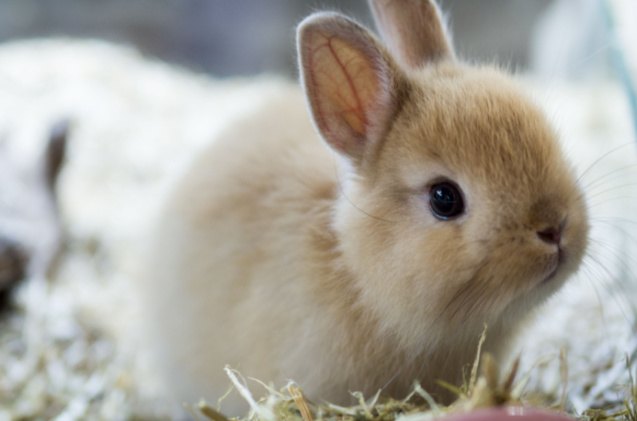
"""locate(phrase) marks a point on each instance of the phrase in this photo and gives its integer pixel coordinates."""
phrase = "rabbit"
(358, 233)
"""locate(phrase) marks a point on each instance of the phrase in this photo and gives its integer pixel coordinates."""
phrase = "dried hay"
(486, 390)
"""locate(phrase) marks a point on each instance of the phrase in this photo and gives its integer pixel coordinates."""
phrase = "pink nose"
(551, 235)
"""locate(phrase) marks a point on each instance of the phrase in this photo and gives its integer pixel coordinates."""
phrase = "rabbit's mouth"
(557, 262)
(551, 275)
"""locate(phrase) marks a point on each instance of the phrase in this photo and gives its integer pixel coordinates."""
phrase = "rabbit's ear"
(414, 30)
(352, 85)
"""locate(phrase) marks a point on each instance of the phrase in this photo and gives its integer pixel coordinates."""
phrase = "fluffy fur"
(287, 261)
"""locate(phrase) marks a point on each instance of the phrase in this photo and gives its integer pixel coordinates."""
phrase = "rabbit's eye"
(445, 200)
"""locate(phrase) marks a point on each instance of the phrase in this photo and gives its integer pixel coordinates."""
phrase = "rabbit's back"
(229, 255)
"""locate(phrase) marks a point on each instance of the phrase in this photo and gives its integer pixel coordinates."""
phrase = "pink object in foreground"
(512, 413)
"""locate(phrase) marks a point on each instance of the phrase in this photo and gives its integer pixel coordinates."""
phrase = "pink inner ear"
(344, 86)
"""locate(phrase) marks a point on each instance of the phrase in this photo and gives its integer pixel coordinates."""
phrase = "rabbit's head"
(458, 207)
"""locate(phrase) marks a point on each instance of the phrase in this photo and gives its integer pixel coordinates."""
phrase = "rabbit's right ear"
(413, 29)
(352, 85)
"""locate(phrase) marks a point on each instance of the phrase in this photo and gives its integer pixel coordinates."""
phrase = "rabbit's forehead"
(479, 130)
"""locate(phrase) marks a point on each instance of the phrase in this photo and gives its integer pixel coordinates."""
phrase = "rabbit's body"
(277, 257)
(282, 205)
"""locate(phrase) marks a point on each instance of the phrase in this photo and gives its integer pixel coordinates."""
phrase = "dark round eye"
(445, 200)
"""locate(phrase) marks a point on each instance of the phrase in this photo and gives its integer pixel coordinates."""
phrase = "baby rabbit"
(365, 244)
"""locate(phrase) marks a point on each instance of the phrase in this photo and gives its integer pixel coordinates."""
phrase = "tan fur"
(287, 261)
(419, 20)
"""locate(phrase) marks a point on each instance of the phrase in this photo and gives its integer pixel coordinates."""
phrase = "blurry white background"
(251, 36)
(246, 37)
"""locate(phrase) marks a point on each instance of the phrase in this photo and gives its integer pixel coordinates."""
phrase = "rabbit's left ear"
(414, 30)
(352, 85)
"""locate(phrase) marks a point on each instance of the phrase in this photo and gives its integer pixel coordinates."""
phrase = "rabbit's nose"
(551, 235)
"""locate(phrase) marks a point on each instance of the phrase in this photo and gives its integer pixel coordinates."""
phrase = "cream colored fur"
(285, 260)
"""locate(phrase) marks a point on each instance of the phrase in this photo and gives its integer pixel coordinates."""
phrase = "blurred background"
(245, 37)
